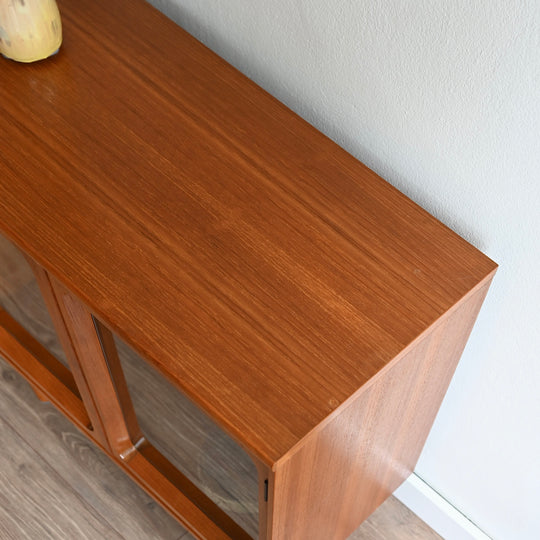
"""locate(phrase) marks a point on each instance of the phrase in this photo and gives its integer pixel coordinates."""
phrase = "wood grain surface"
(377, 438)
(21, 298)
(256, 264)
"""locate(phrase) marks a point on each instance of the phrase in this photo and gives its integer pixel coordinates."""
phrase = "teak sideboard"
(314, 312)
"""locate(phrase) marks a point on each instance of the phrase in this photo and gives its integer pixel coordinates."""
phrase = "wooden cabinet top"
(267, 272)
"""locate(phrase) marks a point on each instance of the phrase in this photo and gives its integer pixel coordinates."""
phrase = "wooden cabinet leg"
(53, 306)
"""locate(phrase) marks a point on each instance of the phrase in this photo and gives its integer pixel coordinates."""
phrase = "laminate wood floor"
(55, 484)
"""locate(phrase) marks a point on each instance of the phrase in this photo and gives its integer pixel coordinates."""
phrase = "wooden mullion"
(93, 349)
(52, 303)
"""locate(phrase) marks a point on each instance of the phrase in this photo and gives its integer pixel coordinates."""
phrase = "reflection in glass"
(192, 442)
(21, 298)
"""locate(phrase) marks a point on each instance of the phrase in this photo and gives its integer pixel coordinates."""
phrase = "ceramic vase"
(30, 30)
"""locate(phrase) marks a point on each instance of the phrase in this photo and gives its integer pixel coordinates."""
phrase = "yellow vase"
(30, 30)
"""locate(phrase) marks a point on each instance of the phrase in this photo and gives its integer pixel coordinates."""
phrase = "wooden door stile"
(53, 306)
(96, 358)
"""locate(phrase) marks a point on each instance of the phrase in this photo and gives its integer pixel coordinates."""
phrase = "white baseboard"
(436, 511)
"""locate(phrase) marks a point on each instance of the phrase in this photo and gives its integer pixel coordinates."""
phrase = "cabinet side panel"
(350, 465)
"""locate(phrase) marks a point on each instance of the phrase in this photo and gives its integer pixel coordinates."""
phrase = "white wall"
(441, 98)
